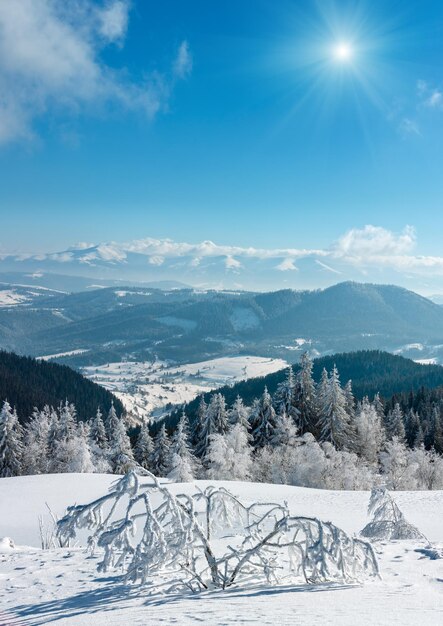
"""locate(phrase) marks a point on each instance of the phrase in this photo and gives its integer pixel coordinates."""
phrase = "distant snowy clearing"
(62, 586)
(150, 389)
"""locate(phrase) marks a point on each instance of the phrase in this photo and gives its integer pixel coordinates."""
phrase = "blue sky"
(226, 121)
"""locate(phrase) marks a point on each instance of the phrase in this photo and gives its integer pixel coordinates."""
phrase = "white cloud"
(183, 62)
(431, 97)
(50, 61)
(114, 20)
(374, 241)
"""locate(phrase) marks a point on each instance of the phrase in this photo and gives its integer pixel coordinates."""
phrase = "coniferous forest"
(307, 433)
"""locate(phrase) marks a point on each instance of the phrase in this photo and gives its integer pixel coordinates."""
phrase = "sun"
(342, 52)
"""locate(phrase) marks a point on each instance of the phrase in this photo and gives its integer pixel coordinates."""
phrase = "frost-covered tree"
(414, 433)
(285, 431)
(284, 397)
(379, 407)
(395, 423)
(144, 447)
(67, 421)
(11, 446)
(344, 470)
(229, 456)
(239, 414)
(99, 444)
(437, 430)
(215, 422)
(81, 459)
(388, 522)
(305, 396)
(111, 421)
(161, 458)
(397, 468)
(263, 420)
(36, 442)
(97, 431)
(121, 456)
(370, 435)
(335, 423)
(429, 468)
(266, 543)
(183, 464)
(350, 400)
(198, 425)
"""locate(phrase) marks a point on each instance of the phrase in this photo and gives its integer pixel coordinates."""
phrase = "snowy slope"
(62, 586)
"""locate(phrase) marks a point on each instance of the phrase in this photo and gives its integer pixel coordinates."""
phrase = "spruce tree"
(263, 421)
(395, 423)
(284, 398)
(335, 423)
(144, 447)
(11, 446)
(239, 414)
(160, 461)
(183, 464)
(305, 415)
(215, 422)
(121, 456)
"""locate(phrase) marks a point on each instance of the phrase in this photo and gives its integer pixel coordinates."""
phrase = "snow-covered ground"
(59, 355)
(150, 389)
(62, 586)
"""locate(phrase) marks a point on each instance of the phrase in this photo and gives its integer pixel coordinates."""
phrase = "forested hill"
(27, 383)
(370, 371)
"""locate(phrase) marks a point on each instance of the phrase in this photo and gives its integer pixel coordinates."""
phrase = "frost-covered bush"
(210, 539)
(388, 522)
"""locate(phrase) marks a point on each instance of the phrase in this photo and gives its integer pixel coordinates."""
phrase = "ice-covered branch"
(210, 539)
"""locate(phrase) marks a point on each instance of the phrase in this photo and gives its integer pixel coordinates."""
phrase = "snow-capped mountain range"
(367, 254)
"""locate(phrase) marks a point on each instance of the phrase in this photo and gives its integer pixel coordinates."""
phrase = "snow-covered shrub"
(212, 540)
(388, 522)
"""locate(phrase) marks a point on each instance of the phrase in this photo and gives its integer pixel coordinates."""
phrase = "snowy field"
(62, 586)
(150, 389)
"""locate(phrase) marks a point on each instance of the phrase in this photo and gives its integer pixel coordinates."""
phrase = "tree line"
(307, 434)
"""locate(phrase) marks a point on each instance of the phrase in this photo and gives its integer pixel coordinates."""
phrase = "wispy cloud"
(51, 61)
(430, 96)
(183, 61)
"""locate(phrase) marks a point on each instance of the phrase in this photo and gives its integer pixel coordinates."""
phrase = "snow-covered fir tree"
(183, 464)
(121, 456)
(99, 444)
(215, 421)
(263, 420)
(36, 442)
(305, 397)
(198, 425)
(144, 447)
(239, 414)
(161, 458)
(285, 431)
(395, 426)
(335, 422)
(370, 435)
(284, 397)
(11, 446)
